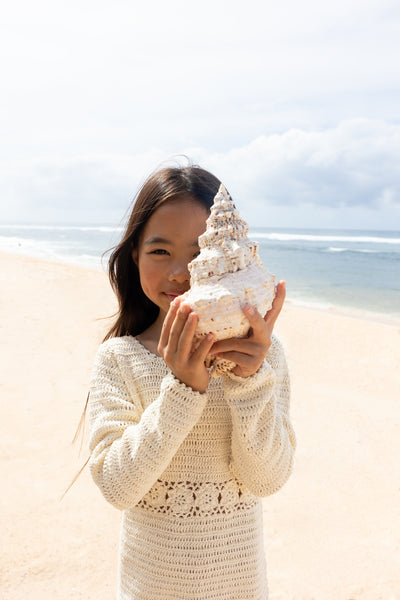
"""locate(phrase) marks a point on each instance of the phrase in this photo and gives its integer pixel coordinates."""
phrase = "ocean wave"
(292, 237)
(26, 246)
(274, 236)
(102, 229)
(49, 250)
(362, 250)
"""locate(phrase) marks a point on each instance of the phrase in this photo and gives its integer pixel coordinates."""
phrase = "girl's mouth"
(172, 296)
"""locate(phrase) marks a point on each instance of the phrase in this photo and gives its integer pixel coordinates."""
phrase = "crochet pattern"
(188, 470)
(185, 499)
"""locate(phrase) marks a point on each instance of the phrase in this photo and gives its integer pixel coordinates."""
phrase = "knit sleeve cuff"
(185, 405)
(238, 387)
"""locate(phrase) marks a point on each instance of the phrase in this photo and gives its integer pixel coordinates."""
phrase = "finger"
(277, 304)
(177, 327)
(256, 321)
(169, 319)
(178, 301)
(234, 345)
(241, 360)
(186, 339)
(204, 348)
(248, 349)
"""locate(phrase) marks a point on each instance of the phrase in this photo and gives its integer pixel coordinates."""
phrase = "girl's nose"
(180, 273)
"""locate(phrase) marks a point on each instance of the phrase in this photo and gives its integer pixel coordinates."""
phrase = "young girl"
(187, 458)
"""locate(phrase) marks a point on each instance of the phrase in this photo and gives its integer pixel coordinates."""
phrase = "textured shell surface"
(225, 276)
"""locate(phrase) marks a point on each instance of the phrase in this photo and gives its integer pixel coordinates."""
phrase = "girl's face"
(168, 242)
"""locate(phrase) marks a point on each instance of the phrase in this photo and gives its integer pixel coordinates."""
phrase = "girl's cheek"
(149, 267)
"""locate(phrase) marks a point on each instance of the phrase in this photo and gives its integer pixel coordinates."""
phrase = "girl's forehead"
(183, 215)
(179, 202)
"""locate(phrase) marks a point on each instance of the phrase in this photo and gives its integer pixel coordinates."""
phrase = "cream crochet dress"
(188, 470)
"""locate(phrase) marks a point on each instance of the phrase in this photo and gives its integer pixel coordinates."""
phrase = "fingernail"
(250, 310)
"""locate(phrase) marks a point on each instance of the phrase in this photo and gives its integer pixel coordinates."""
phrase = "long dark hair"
(136, 312)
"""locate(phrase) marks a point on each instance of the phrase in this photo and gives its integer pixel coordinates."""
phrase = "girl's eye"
(159, 251)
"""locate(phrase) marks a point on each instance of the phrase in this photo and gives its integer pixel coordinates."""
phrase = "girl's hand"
(176, 346)
(248, 353)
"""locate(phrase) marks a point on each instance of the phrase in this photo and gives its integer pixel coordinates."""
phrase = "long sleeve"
(131, 447)
(263, 440)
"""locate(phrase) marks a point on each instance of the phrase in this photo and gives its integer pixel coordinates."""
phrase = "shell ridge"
(226, 275)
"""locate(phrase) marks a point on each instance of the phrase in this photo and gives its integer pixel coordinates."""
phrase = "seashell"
(225, 276)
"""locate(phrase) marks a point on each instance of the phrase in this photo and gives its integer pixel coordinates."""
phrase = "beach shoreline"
(350, 270)
(345, 311)
(305, 304)
(330, 534)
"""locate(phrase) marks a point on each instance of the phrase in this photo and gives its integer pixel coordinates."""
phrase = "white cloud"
(352, 167)
(353, 164)
(292, 104)
(83, 78)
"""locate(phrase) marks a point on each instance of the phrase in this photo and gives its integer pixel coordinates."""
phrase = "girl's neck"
(151, 336)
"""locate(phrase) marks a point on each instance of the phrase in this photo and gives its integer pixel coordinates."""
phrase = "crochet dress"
(188, 470)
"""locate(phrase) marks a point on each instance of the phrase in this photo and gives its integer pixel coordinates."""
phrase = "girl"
(187, 458)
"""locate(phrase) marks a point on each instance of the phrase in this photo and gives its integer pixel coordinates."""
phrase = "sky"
(293, 105)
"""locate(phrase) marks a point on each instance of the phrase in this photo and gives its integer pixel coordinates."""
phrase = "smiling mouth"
(172, 296)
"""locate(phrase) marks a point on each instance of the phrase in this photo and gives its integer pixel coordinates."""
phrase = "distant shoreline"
(306, 304)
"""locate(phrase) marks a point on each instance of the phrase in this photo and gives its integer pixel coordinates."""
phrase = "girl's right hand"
(176, 347)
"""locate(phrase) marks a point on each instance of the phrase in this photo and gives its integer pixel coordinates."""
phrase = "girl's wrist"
(196, 388)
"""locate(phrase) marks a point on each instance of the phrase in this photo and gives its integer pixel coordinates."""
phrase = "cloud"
(83, 188)
(352, 165)
(96, 76)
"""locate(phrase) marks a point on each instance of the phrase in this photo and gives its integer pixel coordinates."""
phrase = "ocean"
(348, 269)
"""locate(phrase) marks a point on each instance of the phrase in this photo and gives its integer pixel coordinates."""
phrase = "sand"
(332, 533)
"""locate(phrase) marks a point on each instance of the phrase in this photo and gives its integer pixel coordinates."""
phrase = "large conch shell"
(225, 276)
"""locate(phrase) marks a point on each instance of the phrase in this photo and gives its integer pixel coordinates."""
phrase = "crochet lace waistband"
(191, 499)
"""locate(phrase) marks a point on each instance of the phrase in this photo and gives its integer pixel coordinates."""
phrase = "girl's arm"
(263, 440)
(131, 447)
(258, 390)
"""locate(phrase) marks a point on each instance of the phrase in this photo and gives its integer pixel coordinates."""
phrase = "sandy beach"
(332, 533)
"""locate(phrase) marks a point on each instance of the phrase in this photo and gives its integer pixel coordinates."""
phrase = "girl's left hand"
(176, 346)
(248, 353)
